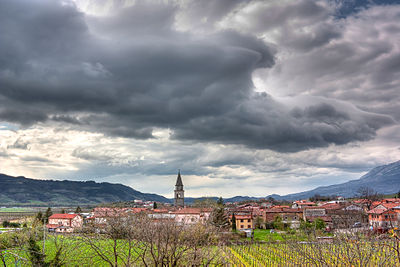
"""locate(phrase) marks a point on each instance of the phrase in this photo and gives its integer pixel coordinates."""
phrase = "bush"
(11, 224)
(306, 226)
(319, 224)
(269, 225)
(286, 226)
(278, 224)
(291, 231)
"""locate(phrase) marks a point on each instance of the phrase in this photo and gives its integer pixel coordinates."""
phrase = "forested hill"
(25, 191)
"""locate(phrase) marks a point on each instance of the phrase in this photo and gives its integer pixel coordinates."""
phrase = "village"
(369, 214)
(320, 231)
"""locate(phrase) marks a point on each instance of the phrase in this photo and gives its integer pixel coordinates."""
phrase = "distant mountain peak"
(384, 179)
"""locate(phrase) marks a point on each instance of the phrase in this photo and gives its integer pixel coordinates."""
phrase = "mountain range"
(383, 179)
(25, 191)
(34, 192)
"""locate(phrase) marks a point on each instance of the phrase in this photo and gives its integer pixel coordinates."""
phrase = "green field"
(77, 252)
(280, 252)
(16, 210)
(262, 235)
(74, 252)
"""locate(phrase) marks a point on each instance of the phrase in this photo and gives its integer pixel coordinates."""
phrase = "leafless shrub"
(136, 239)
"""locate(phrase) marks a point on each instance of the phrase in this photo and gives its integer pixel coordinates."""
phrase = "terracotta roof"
(110, 212)
(304, 202)
(191, 211)
(63, 216)
(277, 206)
(286, 210)
(160, 211)
(390, 205)
(393, 200)
(315, 208)
(361, 201)
(240, 217)
(332, 206)
(257, 212)
(377, 210)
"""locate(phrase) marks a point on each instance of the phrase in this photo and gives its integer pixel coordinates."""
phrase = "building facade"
(243, 221)
(189, 216)
(64, 222)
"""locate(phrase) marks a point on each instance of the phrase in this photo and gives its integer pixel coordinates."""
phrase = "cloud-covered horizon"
(255, 94)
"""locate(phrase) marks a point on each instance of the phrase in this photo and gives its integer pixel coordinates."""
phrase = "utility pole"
(44, 236)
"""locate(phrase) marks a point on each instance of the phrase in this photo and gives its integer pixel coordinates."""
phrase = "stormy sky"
(245, 97)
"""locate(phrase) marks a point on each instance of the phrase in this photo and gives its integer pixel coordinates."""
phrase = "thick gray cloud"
(129, 72)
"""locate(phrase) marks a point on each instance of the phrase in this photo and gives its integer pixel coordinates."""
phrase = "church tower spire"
(179, 192)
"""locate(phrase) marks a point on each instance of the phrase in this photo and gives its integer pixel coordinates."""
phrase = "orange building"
(383, 217)
(243, 221)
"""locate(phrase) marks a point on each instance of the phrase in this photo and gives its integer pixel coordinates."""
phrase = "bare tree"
(112, 240)
(369, 194)
(167, 243)
(14, 240)
(136, 239)
(346, 249)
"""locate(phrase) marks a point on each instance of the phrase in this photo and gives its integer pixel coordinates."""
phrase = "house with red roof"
(382, 218)
(302, 204)
(192, 215)
(290, 216)
(101, 214)
(345, 215)
(64, 223)
(385, 215)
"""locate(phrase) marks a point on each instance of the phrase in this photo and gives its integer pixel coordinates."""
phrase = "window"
(295, 218)
(248, 220)
(241, 220)
(249, 226)
(241, 226)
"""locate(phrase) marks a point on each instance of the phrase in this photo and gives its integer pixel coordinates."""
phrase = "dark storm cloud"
(125, 74)
(262, 123)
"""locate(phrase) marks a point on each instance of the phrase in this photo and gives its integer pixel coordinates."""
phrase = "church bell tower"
(179, 192)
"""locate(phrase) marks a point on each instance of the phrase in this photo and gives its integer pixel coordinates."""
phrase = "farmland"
(342, 252)
(309, 254)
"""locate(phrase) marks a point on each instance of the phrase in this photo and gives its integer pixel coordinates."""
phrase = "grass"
(77, 253)
(15, 210)
(267, 236)
(74, 252)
